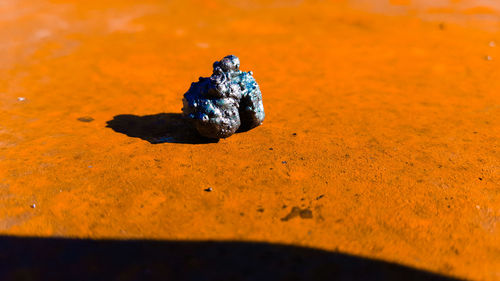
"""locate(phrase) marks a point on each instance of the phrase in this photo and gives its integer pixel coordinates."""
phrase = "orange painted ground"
(382, 123)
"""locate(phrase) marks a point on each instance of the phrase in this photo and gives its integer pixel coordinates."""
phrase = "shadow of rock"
(157, 128)
(30, 258)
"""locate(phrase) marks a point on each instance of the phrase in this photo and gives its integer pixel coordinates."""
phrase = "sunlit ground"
(382, 125)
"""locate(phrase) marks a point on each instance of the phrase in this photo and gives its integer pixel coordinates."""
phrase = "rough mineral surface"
(228, 100)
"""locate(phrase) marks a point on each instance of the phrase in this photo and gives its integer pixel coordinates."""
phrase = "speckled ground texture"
(381, 137)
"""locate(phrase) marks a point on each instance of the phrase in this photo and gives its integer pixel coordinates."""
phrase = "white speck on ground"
(202, 45)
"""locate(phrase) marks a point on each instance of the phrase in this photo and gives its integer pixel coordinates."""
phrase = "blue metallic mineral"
(228, 100)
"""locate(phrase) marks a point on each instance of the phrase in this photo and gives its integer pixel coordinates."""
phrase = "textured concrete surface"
(381, 137)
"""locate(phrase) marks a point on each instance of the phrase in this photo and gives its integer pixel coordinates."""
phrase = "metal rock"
(228, 100)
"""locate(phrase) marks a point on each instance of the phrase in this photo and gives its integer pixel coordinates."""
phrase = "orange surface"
(382, 116)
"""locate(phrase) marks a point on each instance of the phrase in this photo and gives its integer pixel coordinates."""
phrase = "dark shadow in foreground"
(157, 128)
(26, 258)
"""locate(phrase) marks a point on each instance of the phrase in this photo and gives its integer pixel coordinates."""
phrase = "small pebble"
(208, 189)
(488, 58)
(21, 98)
(477, 207)
(283, 162)
(492, 44)
(33, 206)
